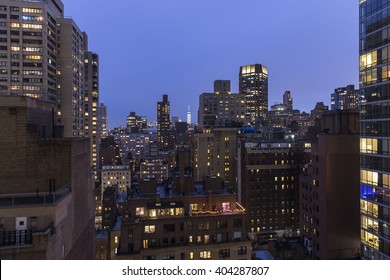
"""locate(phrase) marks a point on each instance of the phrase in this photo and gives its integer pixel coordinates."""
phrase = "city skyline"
(152, 40)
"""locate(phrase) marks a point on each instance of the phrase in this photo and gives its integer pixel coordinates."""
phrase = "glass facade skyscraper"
(374, 48)
(253, 83)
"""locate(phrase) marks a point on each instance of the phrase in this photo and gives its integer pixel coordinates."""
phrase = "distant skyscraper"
(221, 108)
(344, 98)
(287, 100)
(189, 115)
(375, 135)
(163, 122)
(136, 124)
(253, 82)
(317, 112)
(103, 120)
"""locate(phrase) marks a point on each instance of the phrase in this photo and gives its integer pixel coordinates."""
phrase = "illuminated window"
(190, 239)
(205, 255)
(206, 239)
(32, 18)
(139, 211)
(191, 255)
(370, 239)
(225, 207)
(369, 177)
(386, 181)
(369, 208)
(150, 229)
(368, 60)
(145, 243)
(32, 26)
(32, 10)
(368, 146)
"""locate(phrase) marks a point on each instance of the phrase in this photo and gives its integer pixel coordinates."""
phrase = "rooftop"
(34, 199)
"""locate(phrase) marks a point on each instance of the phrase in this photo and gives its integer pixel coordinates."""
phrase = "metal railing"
(34, 199)
(15, 238)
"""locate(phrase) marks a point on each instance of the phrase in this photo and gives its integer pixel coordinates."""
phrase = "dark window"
(222, 224)
(224, 253)
(169, 228)
(237, 223)
(242, 250)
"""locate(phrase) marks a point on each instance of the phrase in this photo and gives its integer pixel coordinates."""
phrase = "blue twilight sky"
(152, 47)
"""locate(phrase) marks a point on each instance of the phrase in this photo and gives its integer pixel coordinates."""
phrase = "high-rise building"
(221, 108)
(103, 120)
(163, 122)
(189, 120)
(329, 197)
(253, 83)
(136, 124)
(42, 56)
(28, 48)
(215, 154)
(70, 70)
(91, 103)
(279, 116)
(287, 100)
(375, 135)
(345, 98)
(155, 168)
(268, 185)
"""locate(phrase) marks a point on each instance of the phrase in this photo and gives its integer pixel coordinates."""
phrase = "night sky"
(152, 47)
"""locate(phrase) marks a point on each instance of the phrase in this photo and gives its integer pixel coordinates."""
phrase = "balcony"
(15, 238)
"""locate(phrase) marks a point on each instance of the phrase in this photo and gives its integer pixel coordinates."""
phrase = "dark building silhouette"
(329, 197)
(47, 192)
(163, 124)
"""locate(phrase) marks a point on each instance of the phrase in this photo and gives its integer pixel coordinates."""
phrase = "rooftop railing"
(34, 199)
